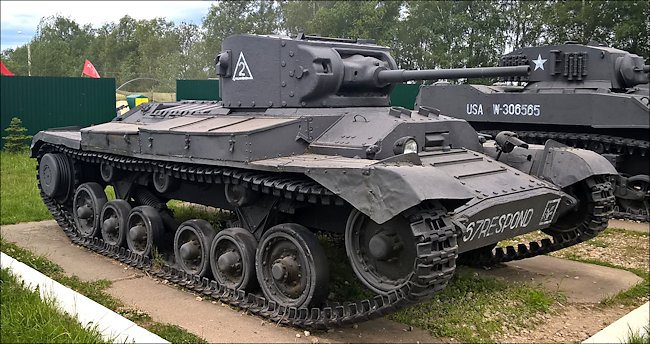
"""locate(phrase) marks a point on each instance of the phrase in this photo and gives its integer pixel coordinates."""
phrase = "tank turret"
(308, 71)
(581, 66)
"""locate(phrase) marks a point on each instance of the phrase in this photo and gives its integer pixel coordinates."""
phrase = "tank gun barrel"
(401, 75)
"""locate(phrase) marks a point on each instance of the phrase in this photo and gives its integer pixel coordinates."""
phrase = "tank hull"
(285, 174)
(616, 125)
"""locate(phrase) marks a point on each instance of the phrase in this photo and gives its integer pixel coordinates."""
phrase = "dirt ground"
(572, 323)
(577, 321)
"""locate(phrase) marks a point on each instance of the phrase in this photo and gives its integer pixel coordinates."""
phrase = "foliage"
(28, 319)
(16, 140)
(475, 309)
(421, 34)
(173, 333)
(95, 290)
(21, 201)
(639, 337)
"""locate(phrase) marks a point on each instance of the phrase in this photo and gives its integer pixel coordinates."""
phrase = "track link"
(435, 262)
(601, 144)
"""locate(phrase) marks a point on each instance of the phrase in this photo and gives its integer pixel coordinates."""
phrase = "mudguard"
(67, 136)
(383, 191)
(564, 166)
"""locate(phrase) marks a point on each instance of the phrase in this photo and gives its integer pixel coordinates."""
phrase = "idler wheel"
(87, 204)
(232, 258)
(55, 174)
(192, 246)
(382, 256)
(115, 222)
(145, 228)
(291, 266)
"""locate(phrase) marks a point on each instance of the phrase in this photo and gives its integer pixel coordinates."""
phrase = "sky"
(19, 19)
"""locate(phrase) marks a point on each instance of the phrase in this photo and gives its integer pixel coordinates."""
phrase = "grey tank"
(586, 96)
(305, 142)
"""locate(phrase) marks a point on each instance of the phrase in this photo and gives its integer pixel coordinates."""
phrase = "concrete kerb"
(619, 331)
(110, 325)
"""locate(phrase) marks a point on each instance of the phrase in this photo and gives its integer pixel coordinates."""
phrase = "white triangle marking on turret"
(242, 72)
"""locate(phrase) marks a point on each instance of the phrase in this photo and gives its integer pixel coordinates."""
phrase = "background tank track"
(601, 144)
(432, 228)
(435, 268)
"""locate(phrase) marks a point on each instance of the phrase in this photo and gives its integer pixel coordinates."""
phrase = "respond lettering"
(497, 224)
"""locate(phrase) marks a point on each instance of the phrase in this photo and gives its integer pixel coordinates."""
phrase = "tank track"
(436, 248)
(604, 200)
(610, 144)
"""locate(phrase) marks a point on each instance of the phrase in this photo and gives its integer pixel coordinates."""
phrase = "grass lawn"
(28, 319)
(474, 308)
(19, 198)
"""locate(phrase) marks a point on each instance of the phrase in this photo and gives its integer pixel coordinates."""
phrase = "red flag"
(4, 70)
(90, 70)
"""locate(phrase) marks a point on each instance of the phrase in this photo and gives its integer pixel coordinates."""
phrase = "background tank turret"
(305, 142)
(587, 96)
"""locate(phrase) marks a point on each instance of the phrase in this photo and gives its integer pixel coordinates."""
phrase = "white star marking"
(539, 63)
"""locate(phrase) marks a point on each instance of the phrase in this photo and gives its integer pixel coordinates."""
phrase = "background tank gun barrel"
(400, 75)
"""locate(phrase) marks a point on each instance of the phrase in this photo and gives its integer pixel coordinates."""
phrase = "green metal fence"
(48, 102)
(403, 94)
(197, 90)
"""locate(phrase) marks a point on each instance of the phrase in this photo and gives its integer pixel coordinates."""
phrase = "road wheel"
(232, 258)
(115, 222)
(145, 229)
(291, 266)
(88, 202)
(192, 246)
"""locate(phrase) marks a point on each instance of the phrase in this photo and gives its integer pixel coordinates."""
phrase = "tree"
(192, 66)
(16, 140)
(58, 49)
(622, 24)
(227, 18)
(525, 22)
(358, 19)
(421, 34)
(451, 34)
(297, 14)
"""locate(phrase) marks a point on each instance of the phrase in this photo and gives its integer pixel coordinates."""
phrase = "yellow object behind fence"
(139, 101)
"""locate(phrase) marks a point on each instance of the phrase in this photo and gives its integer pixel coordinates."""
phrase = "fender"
(382, 191)
(564, 166)
(66, 136)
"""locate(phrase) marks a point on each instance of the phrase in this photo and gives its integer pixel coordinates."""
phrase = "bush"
(16, 140)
